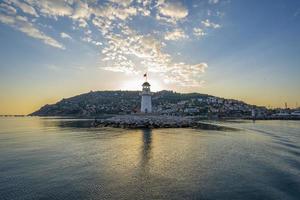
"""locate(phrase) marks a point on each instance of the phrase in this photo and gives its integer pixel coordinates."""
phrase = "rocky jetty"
(155, 121)
(145, 121)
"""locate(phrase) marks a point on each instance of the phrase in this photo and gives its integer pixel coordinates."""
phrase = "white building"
(146, 104)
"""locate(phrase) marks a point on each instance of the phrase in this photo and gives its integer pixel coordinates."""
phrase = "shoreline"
(105, 116)
(96, 117)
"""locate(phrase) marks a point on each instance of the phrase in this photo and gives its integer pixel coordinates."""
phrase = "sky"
(54, 49)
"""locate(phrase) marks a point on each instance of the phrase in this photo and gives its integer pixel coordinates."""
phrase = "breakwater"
(155, 121)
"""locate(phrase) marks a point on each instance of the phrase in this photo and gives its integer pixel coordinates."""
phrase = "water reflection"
(64, 123)
(146, 149)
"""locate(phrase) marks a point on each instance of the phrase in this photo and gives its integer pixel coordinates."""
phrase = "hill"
(126, 102)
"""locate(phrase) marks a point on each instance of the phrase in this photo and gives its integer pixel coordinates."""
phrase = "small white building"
(146, 104)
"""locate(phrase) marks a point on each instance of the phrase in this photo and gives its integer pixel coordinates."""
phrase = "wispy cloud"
(198, 32)
(26, 8)
(22, 24)
(175, 34)
(65, 35)
(209, 24)
(8, 9)
(172, 9)
(53, 8)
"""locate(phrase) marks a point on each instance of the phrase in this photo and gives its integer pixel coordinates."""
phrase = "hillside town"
(215, 107)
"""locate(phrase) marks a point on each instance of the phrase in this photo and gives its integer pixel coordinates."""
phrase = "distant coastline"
(13, 115)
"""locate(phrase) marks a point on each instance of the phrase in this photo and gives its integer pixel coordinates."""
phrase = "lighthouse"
(146, 104)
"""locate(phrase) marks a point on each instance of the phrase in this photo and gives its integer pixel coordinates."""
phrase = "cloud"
(173, 9)
(65, 35)
(128, 51)
(176, 34)
(7, 19)
(198, 32)
(126, 67)
(22, 24)
(113, 13)
(213, 1)
(103, 25)
(82, 23)
(7, 9)
(186, 75)
(122, 2)
(81, 11)
(24, 7)
(89, 39)
(53, 8)
(107, 24)
(209, 24)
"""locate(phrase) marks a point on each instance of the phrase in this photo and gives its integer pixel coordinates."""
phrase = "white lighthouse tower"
(146, 104)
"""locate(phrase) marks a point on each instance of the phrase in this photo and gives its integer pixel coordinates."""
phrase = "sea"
(60, 158)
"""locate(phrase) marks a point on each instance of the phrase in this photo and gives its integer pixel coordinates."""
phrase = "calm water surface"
(47, 158)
